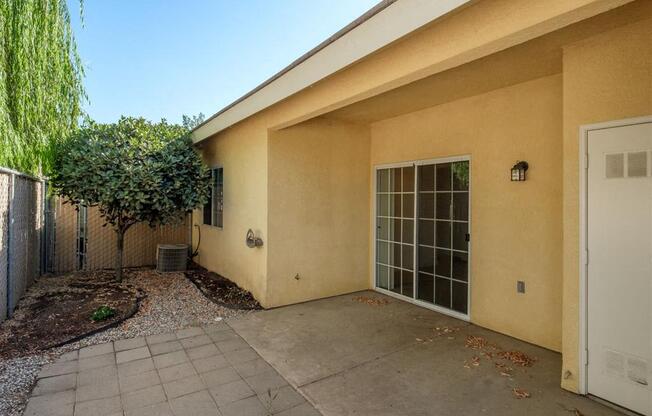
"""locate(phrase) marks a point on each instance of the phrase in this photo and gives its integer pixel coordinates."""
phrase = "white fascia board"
(388, 25)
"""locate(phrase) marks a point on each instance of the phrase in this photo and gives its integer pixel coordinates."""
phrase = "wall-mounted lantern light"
(518, 171)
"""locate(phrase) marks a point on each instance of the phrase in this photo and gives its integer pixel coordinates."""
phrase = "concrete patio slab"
(353, 358)
(128, 378)
(344, 356)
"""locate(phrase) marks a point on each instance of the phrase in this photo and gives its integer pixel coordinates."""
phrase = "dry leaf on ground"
(476, 343)
(445, 330)
(518, 358)
(520, 393)
(371, 301)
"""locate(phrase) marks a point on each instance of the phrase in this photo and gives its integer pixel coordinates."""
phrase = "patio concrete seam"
(296, 388)
(353, 367)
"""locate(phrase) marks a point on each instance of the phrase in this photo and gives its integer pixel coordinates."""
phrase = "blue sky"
(165, 58)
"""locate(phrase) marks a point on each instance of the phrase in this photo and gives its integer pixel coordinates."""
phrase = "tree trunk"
(118, 256)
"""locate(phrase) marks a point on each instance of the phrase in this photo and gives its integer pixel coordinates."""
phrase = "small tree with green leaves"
(133, 171)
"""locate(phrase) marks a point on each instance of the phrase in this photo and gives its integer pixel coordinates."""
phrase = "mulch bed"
(57, 310)
(221, 290)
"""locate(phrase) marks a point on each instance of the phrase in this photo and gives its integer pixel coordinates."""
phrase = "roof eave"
(357, 40)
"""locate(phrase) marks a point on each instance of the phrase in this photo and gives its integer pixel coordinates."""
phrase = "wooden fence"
(43, 235)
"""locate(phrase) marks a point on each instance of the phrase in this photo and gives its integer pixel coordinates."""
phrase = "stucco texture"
(242, 152)
(299, 172)
(607, 77)
(515, 226)
(318, 211)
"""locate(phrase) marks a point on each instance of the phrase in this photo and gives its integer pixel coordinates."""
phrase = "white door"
(619, 284)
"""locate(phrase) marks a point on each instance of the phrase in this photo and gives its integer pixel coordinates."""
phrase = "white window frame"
(416, 163)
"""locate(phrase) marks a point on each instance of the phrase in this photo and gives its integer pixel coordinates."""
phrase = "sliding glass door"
(422, 232)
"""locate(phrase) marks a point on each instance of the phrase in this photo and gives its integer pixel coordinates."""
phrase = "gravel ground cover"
(172, 302)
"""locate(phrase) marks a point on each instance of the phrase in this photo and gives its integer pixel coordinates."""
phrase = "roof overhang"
(385, 23)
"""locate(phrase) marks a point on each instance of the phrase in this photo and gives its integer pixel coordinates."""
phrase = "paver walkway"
(196, 371)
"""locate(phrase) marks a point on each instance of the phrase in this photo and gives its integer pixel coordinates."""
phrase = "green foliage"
(191, 122)
(102, 313)
(134, 171)
(461, 172)
(40, 82)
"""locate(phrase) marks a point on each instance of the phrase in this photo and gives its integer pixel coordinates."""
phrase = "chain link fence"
(21, 226)
(41, 234)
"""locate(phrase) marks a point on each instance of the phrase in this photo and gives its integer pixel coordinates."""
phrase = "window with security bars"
(214, 208)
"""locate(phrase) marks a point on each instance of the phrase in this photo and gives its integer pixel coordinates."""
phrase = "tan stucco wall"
(242, 152)
(470, 33)
(516, 227)
(523, 231)
(318, 211)
(606, 77)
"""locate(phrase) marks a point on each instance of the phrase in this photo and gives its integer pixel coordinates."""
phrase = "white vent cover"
(171, 257)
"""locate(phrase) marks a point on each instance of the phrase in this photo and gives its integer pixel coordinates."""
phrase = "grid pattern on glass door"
(439, 232)
(442, 236)
(395, 230)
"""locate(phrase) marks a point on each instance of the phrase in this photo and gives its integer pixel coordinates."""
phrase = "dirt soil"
(58, 309)
(221, 290)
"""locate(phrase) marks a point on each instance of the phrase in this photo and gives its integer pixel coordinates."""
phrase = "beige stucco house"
(383, 160)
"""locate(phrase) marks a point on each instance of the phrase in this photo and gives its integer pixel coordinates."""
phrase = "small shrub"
(102, 313)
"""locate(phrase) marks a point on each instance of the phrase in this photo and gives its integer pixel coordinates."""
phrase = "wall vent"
(171, 257)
